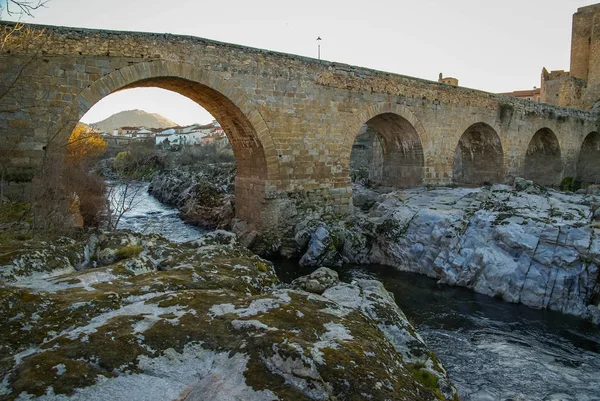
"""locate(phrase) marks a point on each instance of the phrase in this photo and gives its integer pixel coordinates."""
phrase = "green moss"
(39, 372)
(14, 211)
(423, 376)
(262, 267)
(501, 217)
(570, 184)
(391, 229)
(128, 252)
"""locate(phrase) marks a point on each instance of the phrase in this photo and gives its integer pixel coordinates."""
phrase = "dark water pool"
(492, 350)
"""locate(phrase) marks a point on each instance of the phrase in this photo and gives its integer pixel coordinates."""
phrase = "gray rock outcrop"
(204, 196)
(318, 281)
(523, 244)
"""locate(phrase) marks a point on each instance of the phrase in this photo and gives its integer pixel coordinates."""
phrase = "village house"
(191, 135)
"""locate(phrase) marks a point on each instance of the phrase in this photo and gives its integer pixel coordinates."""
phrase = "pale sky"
(496, 46)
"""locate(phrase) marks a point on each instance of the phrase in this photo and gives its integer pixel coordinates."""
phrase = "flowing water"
(149, 216)
(492, 350)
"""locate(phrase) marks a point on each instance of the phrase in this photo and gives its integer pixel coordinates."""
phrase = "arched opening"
(246, 131)
(478, 158)
(543, 163)
(388, 151)
(588, 164)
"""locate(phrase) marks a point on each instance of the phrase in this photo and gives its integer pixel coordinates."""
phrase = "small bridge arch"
(543, 162)
(588, 162)
(478, 157)
(398, 158)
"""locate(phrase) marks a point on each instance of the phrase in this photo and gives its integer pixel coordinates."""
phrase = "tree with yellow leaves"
(85, 144)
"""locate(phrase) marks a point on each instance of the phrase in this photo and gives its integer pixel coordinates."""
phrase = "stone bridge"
(291, 120)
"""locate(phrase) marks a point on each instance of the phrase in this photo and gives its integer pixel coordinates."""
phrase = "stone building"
(580, 87)
(529, 94)
(292, 121)
(447, 80)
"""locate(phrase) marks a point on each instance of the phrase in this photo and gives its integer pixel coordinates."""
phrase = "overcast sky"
(495, 46)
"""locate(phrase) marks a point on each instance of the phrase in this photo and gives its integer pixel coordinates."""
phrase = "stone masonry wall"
(291, 120)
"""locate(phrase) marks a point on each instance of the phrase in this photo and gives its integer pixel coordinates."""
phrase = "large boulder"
(318, 281)
(539, 248)
(204, 196)
(204, 320)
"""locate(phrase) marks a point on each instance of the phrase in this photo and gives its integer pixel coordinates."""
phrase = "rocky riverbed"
(523, 243)
(125, 316)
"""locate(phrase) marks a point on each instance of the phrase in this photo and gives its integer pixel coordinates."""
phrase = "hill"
(133, 118)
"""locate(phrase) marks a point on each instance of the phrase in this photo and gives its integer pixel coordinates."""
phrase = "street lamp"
(319, 45)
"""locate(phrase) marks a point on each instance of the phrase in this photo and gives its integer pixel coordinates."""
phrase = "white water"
(149, 216)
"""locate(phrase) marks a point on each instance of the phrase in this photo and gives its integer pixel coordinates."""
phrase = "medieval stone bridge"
(291, 120)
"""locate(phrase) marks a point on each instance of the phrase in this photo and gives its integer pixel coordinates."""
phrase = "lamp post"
(319, 46)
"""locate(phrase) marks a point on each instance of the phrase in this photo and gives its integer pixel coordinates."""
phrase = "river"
(493, 351)
(149, 216)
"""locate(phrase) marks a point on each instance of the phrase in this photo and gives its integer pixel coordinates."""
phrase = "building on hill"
(580, 87)
(529, 94)
(447, 80)
(143, 133)
(208, 139)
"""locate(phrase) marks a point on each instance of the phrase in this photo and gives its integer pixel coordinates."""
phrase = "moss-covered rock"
(205, 319)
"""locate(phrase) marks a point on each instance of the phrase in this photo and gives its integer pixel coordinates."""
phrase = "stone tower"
(580, 87)
(585, 44)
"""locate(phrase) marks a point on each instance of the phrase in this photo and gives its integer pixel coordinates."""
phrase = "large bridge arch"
(479, 156)
(402, 138)
(246, 130)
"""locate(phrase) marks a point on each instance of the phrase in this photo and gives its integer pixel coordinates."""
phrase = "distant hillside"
(133, 118)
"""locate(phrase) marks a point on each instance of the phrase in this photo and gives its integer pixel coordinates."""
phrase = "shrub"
(569, 184)
(138, 164)
(122, 160)
(84, 145)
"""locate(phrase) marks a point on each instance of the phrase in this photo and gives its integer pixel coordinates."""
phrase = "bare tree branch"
(21, 8)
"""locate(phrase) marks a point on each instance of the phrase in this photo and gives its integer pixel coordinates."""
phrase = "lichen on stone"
(205, 319)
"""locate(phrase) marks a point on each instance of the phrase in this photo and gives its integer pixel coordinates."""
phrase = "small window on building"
(538, 98)
(528, 98)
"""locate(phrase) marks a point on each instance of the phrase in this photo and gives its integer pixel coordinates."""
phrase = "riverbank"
(475, 336)
(493, 350)
(123, 313)
(203, 193)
